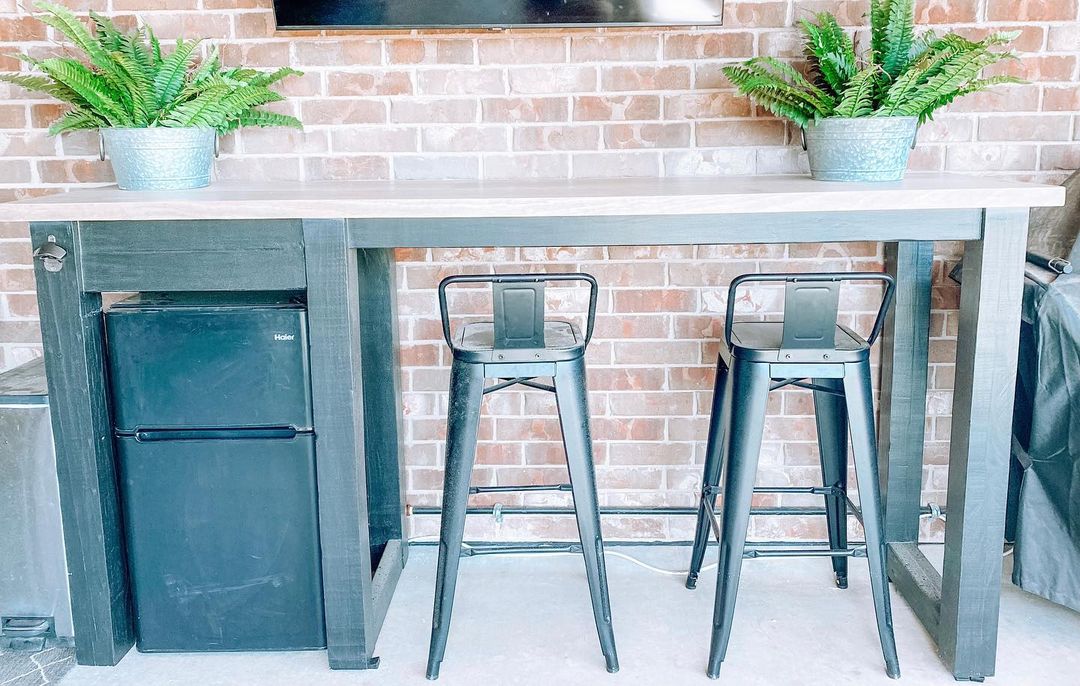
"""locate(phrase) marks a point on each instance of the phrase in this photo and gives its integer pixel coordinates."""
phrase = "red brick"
(338, 52)
(461, 82)
(708, 45)
(759, 132)
(624, 78)
(629, 136)
(946, 11)
(616, 108)
(1025, 128)
(1031, 10)
(525, 109)
(706, 105)
(369, 83)
(611, 48)
(522, 50)
(1066, 99)
(254, 24)
(755, 14)
(343, 112)
(557, 138)
(463, 138)
(21, 29)
(552, 79)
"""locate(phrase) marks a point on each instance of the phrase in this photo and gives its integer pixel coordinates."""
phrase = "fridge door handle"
(276, 433)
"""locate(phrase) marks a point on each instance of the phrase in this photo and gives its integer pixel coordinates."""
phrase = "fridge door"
(223, 543)
(208, 364)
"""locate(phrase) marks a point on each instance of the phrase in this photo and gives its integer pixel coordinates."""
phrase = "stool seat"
(476, 343)
(762, 342)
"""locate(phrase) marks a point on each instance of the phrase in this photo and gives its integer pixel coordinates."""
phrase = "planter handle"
(802, 131)
(101, 145)
(217, 146)
(915, 139)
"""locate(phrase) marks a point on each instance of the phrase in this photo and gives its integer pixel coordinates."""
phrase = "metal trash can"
(34, 598)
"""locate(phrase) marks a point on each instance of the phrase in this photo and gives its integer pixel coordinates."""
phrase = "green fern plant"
(902, 74)
(126, 79)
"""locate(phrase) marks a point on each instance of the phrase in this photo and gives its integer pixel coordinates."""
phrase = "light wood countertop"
(576, 198)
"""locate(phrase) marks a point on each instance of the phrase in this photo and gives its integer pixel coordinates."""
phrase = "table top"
(533, 198)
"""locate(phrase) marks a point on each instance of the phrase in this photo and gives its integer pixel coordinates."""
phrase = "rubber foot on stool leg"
(841, 582)
(691, 581)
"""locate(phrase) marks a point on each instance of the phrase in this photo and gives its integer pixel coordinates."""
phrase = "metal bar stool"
(808, 349)
(517, 347)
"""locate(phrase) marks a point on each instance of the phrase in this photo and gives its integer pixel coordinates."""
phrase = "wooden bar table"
(335, 242)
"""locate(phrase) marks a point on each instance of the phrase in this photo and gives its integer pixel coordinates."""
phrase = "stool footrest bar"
(473, 490)
(790, 490)
(859, 551)
(519, 548)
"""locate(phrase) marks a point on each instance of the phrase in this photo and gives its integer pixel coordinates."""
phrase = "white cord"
(607, 553)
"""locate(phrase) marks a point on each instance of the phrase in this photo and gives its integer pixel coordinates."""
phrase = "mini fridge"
(213, 428)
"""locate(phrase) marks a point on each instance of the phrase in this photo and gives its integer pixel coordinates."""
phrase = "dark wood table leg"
(383, 431)
(338, 401)
(73, 338)
(904, 365)
(986, 356)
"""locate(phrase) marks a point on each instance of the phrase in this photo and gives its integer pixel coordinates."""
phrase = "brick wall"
(558, 104)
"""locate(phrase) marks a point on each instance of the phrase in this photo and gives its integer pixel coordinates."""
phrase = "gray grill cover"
(1047, 441)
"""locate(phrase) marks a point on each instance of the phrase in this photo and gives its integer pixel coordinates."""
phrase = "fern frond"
(169, 80)
(772, 93)
(262, 118)
(273, 77)
(831, 52)
(42, 84)
(858, 99)
(92, 90)
(215, 109)
(879, 19)
(64, 20)
(899, 36)
(76, 120)
(944, 87)
(209, 67)
(821, 101)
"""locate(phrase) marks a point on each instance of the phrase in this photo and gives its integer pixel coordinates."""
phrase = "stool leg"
(713, 467)
(466, 395)
(864, 447)
(832, 428)
(572, 399)
(749, 396)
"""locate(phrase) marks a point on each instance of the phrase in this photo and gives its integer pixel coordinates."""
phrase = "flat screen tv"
(385, 14)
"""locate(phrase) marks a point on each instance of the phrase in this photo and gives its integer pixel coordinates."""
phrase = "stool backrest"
(518, 306)
(811, 306)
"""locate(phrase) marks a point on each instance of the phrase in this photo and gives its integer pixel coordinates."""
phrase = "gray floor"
(527, 621)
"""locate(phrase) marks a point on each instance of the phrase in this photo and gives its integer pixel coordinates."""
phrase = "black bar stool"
(517, 347)
(808, 349)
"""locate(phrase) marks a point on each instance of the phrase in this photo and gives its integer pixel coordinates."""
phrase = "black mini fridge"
(213, 428)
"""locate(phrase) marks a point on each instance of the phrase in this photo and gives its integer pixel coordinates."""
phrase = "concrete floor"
(527, 621)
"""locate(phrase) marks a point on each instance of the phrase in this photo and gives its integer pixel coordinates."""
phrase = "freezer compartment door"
(208, 367)
(223, 543)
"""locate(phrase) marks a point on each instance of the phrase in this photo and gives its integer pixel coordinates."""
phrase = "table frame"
(347, 268)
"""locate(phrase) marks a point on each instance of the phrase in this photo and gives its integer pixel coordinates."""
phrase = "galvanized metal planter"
(159, 159)
(862, 149)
